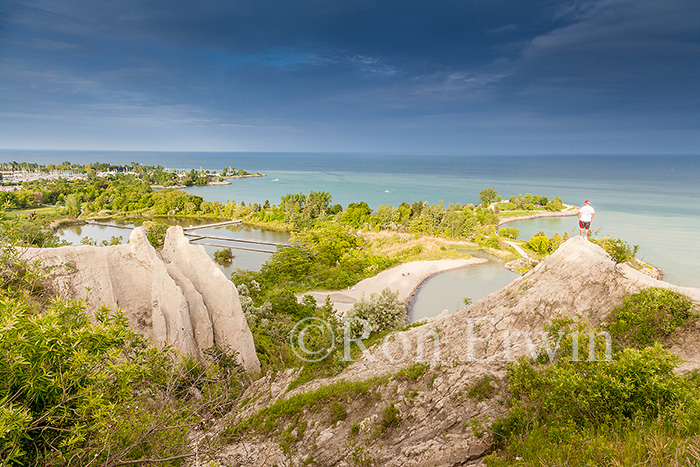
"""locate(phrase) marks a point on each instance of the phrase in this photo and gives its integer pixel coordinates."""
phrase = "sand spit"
(405, 278)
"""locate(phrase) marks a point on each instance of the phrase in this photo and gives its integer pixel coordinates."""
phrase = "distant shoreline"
(244, 176)
(568, 212)
(211, 183)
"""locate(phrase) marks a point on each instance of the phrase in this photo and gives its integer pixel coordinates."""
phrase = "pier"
(207, 226)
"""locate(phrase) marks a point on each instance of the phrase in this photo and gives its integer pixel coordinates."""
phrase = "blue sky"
(439, 76)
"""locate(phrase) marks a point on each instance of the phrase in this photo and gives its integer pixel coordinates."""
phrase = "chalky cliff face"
(177, 297)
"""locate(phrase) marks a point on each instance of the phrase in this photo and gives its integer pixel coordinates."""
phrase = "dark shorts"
(584, 225)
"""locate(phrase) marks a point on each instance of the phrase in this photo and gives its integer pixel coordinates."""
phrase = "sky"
(396, 76)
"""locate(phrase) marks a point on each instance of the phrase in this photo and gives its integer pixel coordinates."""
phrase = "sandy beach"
(405, 278)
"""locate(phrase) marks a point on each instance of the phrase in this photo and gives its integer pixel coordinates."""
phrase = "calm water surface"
(446, 291)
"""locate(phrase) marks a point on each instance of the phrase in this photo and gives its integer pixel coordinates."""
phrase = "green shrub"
(338, 412)
(568, 399)
(648, 316)
(391, 417)
(539, 244)
(155, 232)
(619, 250)
(482, 389)
(383, 311)
(224, 255)
(509, 232)
(413, 372)
(61, 377)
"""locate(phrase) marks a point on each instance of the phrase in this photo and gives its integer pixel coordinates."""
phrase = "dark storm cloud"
(301, 65)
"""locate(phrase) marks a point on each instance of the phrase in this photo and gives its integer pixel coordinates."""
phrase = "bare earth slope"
(177, 297)
(437, 423)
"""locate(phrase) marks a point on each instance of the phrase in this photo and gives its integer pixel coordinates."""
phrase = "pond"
(446, 291)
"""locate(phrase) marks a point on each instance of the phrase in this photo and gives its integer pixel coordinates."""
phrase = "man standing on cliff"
(585, 217)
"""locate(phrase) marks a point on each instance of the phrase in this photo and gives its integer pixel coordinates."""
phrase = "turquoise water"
(652, 201)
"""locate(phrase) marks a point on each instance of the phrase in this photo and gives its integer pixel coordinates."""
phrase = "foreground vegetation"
(633, 410)
(78, 390)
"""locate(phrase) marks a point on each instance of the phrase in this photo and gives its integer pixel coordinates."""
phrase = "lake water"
(652, 201)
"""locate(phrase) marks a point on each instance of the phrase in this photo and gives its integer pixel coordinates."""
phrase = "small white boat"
(387, 191)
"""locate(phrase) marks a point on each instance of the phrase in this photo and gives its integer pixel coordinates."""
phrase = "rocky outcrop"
(437, 422)
(178, 297)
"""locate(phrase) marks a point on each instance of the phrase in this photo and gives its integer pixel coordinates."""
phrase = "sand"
(405, 278)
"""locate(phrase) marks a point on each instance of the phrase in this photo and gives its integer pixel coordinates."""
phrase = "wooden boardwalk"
(234, 247)
(208, 226)
(197, 236)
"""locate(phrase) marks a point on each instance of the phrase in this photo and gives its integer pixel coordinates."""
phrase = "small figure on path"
(585, 217)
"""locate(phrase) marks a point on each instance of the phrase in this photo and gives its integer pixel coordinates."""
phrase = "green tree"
(539, 243)
(487, 196)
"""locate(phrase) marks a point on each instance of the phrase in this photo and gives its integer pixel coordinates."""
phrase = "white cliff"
(178, 297)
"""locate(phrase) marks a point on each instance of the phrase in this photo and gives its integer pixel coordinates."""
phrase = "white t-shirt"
(586, 213)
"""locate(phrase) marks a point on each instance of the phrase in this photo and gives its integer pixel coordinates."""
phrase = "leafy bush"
(509, 232)
(155, 232)
(391, 417)
(224, 255)
(383, 311)
(482, 389)
(539, 244)
(61, 376)
(618, 249)
(638, 383)
(413, 372)
(648, 316)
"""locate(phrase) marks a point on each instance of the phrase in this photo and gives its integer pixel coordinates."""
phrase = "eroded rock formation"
(177, 297)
